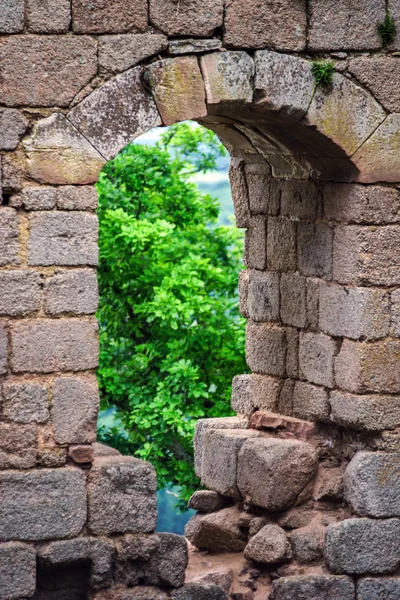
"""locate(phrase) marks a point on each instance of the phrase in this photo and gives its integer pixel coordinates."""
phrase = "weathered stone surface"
(352, 203)
(281, 244)
(122, 496)
(313, 303)
(194, 17)
(74, 408)
(380, 76)
(20, 292)
(207, 501)
(316, 358)
(363, 546)
(369, 367)
(276, 423)
(72, 291)
(219, 576)
(395, 320)
(263, 296)
(178, 89)
(370, 412)
(51, 504)
(12, 127)
(17, 571)
(13, 172)
(81, 454)
(228, 77)
(254, 392)
(116, 113)
(299, 199)
(48, 16)
(139, 592)
(270, 545)
(293, 299)
(42, 346)
(258, 25)
(266, 349)
(25, 402)
(62, 67)
(218, 532)
(8, 235)
(118, 53)
(114, 16)
(17, 446)
(35, 198)
(273, 472)
(385, 588)
(12, 16)
(255, 243)
(57, 153)
(72, 197)
(63, 238)
(315, 249)
(329, 484)
(313, 587)
(283, 83)
(263, 191)
(239, 191)
(307, 544)
(244, 293)
(194, 591)
(377, 157)
(193, 45)
(3, 349)
(310, 402)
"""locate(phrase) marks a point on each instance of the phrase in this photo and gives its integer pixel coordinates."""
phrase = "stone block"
(239, 191)
(244, 293)
(74, 408)
(255, 245)
(254, 392)
(72, 197)
(340, 25)
(369, 367)
(395, 310)
(63, 238)
(263, 296)
(81, 454)
(371, 412)
(285, 402)
(284, 426)
(312, 298)
(307, 544)
(380, 75)
(46, 345)
(281, 244)
(300, 199)
(272, 473)
(317, 353)
(353, 203)
(207, 501)
(315, 249)
(354, 312)
(25, 402)
(269, 546)
(116, 113)
(13, 171)
(17, 571)
(35, 198)
(118, 53)
(194, 17)
(72, 291)
(266, 349)
(63, 66)
(57, 153)
(329, 484)
(12, 14)
(363, 546)
(262, 189)
(220, 459)
(372, 484)
(20, 292)
(310, 402)
(17, 446)
(139, 592)
(114, 16)
(385, 588)
(293, 299)
(376, 158)
(128, 485)
(193, 45)
(3, 349)
(51, 504)
(228, 77)
(12, 126)
(313, 587)
(218, 532)
(178, 89)
(292, 352)
(8, 236)
(50, 16)
(199, 591)
(283, 83)
(279, 25)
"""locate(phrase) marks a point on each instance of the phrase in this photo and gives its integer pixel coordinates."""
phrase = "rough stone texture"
(377, 157)
(384, 588)
(12, 127)
(273, 472)
(372, 484)
(299, 199)
(3, 349)
(228, 77)
(263, 296)
(315, 249)
(292, 353)
(194, 45)
(329, 484)
(117, 113)
(8, 235)
(17, 571)
(255, 244)
(75, 404)
(307, 544)
(118, 53)
(193, 591)
(293, 300)
(12, 16)
(122, 496)
(193, 17)
(62, 67)
(254, 392)
(259, 25)
(49, 345)
(310, 402)
(72, 291)
(113, 16)
(266, 349)
(219, 532)
(178, 89)
(395, 321)
(239, 191)
(380, 76)
(352, 203)
(35, 198)
(20, 292)
(207, 501)
(81, 454)
(369, 367)
(316, 358)
(281, 244)
(57, 153)
(370, 412)
(244, 293)
(283, 83)
(354, 312)
(25, 402)
(63, 238)
(59, 509)
(363, 546)
(313, 587)
(263, 196)
(72, 197)
(270, 545)
(17, 446)
(139, 592)
(48, 16)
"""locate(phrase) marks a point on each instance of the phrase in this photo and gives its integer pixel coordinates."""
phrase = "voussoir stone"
(371, 412)
(74, 408)
(273, 472)
(382, 588)
(73, 291)
(376, 159)
(51, 16)
(12, 127)
(192, 17)
(270, 545)
(20, 292)
(228, 76)
(113, 16)
(380, 75)
(207, 501)
(51, 504)
(17, 571)
(12, 14)
(25, 402)
(118, 53)
(313, 587)
(217, 532)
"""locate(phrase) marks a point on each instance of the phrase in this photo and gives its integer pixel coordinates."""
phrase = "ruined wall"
(310, 464)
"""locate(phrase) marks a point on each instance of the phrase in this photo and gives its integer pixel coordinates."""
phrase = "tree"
(171, 336)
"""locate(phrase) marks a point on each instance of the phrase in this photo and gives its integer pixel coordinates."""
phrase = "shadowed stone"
(377, 159)
(228, 76)
(269, 546)
(118, 53)
(194, 591)
(371, 412)
(192, 17)
(3, 349)
(75, 404)
(116, 113)
(293, 299)
(8, 235)
(49, 16)
(17, 571)
(206, 501)
(12, 127)
(17, 446)
(25, 402)
(193, 45)
(113, 16)
(263, 296)
(307, 544)
(313, 587)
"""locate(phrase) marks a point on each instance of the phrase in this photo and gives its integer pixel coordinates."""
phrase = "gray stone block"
(261, 188)
(281, 244)
(17, 446)
(203, 425)
(35, 198)
(17, 571)
(3, 349)
(228, 77)
(353, 203)
(310, 402)
(269, 546)
(112, 17)
(74, 409)
(313, 303)
(382, 588)
(255, 249)
(254, 392)
(292, 353)
(197, 591)
(313, 587)
(315, 249)
(316, 358)
(239, 191)
(25, 402)
(300, 199)
(263, 296)
(8, 236)
(51, 504)
(52, 16)
(266, 349)
(395, 304)
(72, 292)
(371, 412)
(217, 532)
(74, 197)
(307, 544)
(207, 501)
(12, 13)
(12, 124)
(293, 299)
(20, 292)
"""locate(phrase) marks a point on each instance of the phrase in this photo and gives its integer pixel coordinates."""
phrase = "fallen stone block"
(217, 532)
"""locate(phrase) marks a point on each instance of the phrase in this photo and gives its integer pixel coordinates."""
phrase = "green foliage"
(171, 336)
(323, 72)
(387, 30)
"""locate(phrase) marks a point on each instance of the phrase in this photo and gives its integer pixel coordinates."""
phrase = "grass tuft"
(323, 72)
(387, 30)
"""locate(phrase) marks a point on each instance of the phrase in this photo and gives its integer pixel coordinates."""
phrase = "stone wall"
(305, 479)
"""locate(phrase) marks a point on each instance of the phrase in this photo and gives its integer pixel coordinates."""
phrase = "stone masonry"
(305, 481)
